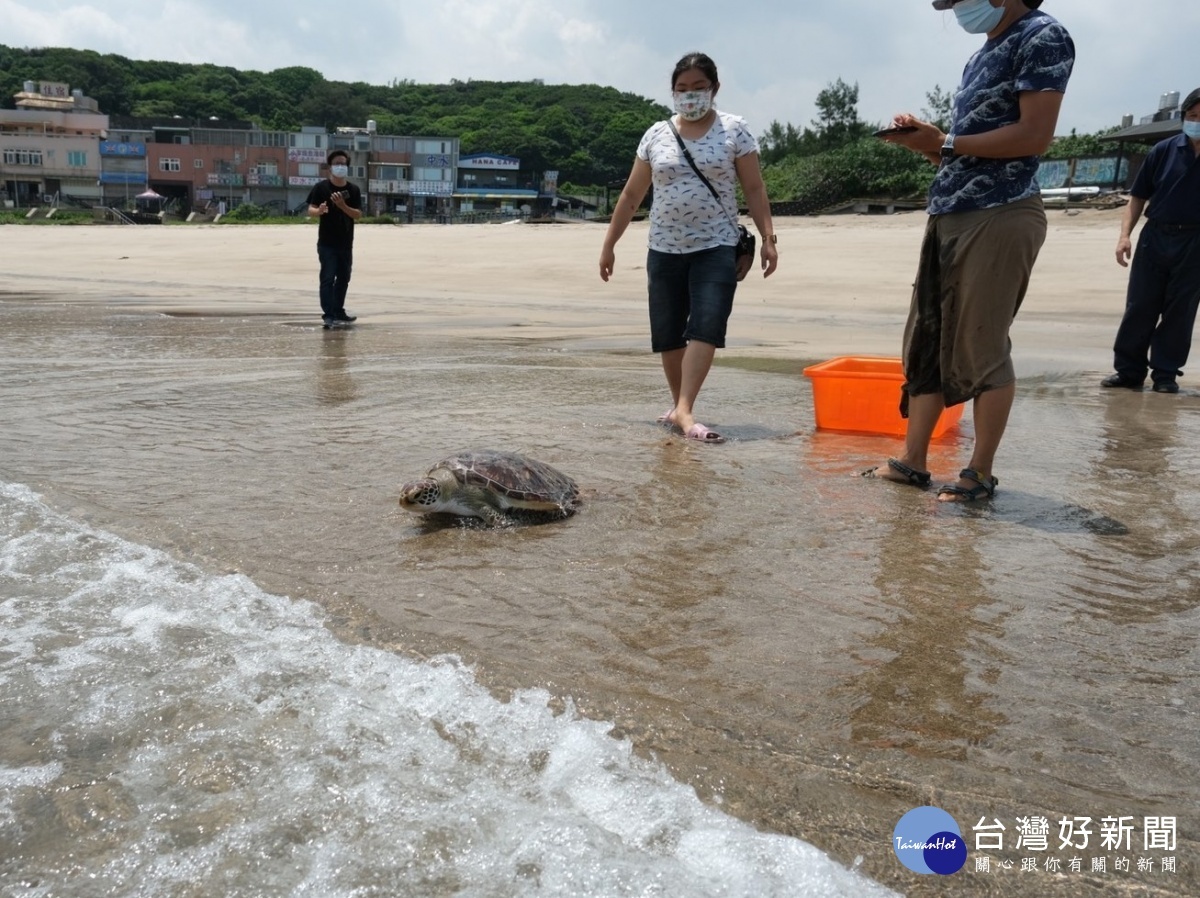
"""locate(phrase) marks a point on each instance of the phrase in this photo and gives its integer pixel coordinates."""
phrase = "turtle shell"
(524, 482)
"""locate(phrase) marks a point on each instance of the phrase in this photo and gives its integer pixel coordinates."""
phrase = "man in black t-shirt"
(338, 204)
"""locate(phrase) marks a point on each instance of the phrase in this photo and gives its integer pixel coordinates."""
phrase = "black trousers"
(1160, 304)
(336, 266)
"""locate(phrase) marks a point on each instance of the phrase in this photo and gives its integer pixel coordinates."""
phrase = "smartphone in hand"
(901, 129)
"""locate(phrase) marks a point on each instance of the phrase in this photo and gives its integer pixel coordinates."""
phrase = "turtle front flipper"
(484, 504)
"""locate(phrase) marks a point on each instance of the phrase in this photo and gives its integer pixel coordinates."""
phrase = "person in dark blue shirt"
(986, 226)
(1164, 283)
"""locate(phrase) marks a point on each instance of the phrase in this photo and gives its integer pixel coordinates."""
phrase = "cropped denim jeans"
(691, 296)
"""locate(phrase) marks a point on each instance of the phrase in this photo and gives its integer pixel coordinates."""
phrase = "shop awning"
(1151, 132)
(530, 195)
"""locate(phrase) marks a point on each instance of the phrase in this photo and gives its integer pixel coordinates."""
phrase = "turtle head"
(420, 496)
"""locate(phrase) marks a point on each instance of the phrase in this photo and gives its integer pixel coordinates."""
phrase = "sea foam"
(166, 727)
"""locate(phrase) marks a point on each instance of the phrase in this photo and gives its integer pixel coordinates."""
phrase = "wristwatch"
(771, 238)
(948, 148)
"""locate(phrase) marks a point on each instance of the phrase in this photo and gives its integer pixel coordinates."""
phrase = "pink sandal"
(702, 434)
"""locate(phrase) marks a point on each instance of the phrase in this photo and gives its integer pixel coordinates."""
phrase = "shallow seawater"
(812, 652)
(169, 732)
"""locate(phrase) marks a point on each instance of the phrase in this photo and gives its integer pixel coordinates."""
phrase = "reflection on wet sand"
(818, 652)
(916, 696)
(335, 382)
(669, 617)
(1143, 471)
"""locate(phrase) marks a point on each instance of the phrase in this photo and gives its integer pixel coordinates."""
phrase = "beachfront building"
(1065, 179)
(306, 154)
(216, 166)
(58, 146)
(49, 147)
(1166, 121)
(410, 178)
(490, 184)
(209, 164)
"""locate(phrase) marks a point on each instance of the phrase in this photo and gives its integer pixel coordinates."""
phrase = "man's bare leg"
(923, 413)
(990, 411)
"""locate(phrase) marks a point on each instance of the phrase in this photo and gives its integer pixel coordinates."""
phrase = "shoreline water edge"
(812, 653)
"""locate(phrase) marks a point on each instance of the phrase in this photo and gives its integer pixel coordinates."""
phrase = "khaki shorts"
(973, 275)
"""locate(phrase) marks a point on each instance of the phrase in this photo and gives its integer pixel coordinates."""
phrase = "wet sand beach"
(814, 652)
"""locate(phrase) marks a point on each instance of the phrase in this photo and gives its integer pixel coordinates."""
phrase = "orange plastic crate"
(861, 394)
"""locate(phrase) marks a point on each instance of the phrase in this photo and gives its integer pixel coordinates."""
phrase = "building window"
(432, 146)
(168, 165)
(307, 141)
(22, 157)
(77, 158)
(197, 163)
(267, 168)
(267, 139)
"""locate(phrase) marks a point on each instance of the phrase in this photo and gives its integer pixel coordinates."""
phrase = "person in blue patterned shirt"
(986, 225)
(692, 269)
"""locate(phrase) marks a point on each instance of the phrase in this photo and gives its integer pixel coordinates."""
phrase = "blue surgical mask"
(978, 16)
(1192, 130)
(339, 171)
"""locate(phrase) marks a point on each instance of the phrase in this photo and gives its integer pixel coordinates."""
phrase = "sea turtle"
(490, 484)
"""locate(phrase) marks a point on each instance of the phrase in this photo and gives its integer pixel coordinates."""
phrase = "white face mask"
(339, 171)
(693, 105)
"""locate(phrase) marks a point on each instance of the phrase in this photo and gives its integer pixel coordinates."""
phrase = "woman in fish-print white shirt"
(692, 271)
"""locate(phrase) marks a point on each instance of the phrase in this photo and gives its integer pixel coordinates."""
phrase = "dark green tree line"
(587, 132)
(837, 159)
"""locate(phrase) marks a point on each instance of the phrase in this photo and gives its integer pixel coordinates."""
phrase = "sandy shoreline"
(842, 286)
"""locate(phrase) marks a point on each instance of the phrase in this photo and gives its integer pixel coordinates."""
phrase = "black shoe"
(328, 321)
(345, 318)
(1120, 380)
(1166, 386)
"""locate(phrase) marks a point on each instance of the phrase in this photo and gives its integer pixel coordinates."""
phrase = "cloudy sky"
(774, 55)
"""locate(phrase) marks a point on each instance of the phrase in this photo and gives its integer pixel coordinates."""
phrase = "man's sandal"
(911, 476)
(985, 487)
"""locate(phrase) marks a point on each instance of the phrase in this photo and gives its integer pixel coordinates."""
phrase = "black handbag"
(746, 240)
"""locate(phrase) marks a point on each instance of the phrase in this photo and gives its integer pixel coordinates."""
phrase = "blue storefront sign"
(119, 148)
